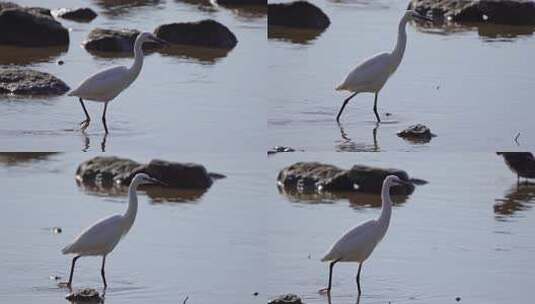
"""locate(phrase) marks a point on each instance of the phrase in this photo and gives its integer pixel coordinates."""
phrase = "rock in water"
(80, 14)
(86, 295)
(30, 26)
(299, 14)
(110, 171)
(120, 41)
(242, 2)
(510, 12)
(417, 133)
(16, 81)
(206, 33)
(287, 299)
(314, 176)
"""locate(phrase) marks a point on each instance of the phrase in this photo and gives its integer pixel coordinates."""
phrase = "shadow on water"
(293, 35)
(346, 144)
(489, 32)
(356, 199)
(518, 198)
(157, 194)
(21, 158)
(28, 55)
(123, 7)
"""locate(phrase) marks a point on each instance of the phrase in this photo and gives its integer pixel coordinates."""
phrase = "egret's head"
(143, 179)
(412, 14)
(393, 180)
(149, 37)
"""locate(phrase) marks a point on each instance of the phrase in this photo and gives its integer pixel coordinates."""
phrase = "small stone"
(55, 278)
(88, 295)
(388, 114)
(279, 149)
(255, 293)
(79, 14)
(458, 299)
(299, 14)
(417, 133)
(60, 62)
(287, 299)
(56, 230)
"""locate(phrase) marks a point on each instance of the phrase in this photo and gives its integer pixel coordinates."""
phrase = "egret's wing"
(352, 240)
(98, 236)
(103, 82)
(372, 70)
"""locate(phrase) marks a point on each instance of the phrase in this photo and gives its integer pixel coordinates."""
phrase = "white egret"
(357, 244)
(104, 235)
(371, 75)
(108, 83)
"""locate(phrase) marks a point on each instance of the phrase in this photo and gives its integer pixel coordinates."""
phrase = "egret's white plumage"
(371, 75)
(101, 238)
(357, 244)
(105, 85)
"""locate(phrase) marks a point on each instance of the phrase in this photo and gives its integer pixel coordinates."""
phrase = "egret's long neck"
(138, 60)
(402, 40)
(386, 209)
(131, 212)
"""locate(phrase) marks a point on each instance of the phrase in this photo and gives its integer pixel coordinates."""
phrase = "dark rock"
(110, 171)
(60, 62)
(314, 177)
(207, 33)
(30, 82)
(79, 14)
(30, 26)
(121, 41)
(279, 149)
(510, 12)
(242, 2)
(176, 175)
(417, 133)
(287, 299)
(297, 14)
(86, 295)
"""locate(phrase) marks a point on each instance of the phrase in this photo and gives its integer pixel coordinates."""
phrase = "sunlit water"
(467, 233)
(178, 101)
(472, 87)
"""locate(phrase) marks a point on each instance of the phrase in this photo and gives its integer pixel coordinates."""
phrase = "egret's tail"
(340, 87)
(327, 257)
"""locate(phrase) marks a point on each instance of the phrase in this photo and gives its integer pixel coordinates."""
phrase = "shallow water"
(471, 86)
(203, 249)
(179, 102)
(467, 233)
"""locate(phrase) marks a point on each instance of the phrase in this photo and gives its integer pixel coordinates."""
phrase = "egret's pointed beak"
(160, 41)
(402, 182)
(421, 17)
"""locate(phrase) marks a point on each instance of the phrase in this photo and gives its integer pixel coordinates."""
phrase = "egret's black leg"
(358, 278)
(344, 105)
(72, 270)
(102, 271)
(84, 124)
(104, 117)
(375, 108)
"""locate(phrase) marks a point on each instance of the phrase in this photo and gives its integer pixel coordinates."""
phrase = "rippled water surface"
(467, 233)
(179, 102)
(471, 85)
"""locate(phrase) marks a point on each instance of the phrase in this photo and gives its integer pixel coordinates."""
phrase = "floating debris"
(88, 295)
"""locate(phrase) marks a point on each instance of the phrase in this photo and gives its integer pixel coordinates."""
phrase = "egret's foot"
(84, 124)
(324, 291)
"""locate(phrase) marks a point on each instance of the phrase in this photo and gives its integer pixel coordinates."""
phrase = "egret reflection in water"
(518, 198)
(346, 144)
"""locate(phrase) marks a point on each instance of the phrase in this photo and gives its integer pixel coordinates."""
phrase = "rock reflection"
(28, 55)
(490, 32)
(123, 7)
(356, 199)
(18, 158)
(518, 198)
(157, 194)
(199, 54)
(346, 144)
(293, 35)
